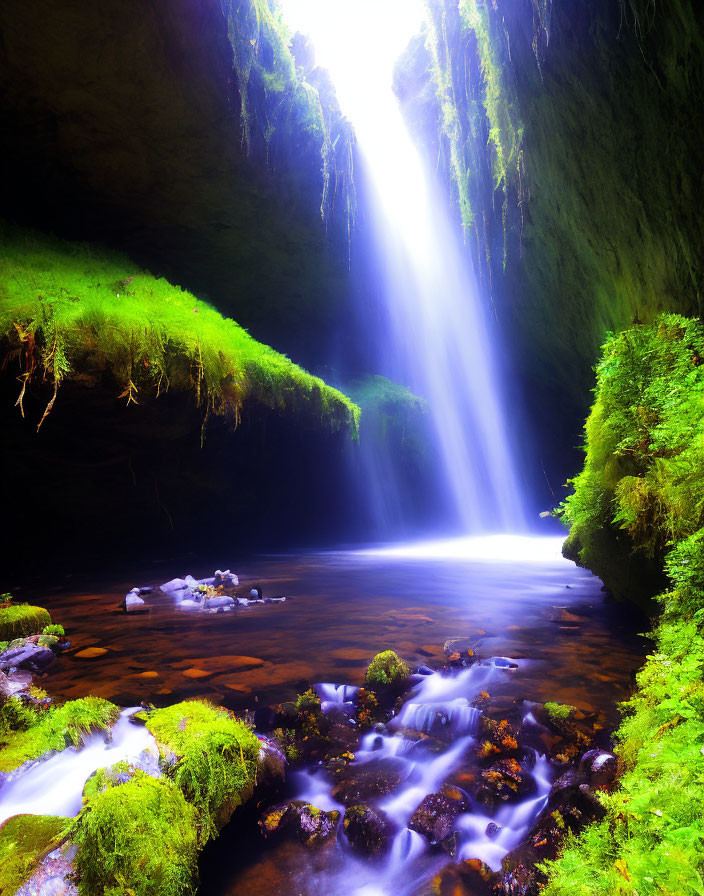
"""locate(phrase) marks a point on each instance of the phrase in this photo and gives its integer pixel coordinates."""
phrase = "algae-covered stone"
(24, 841)
(386, 670)
(19, 620)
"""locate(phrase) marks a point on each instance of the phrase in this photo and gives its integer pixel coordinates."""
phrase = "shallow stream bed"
(517, 597)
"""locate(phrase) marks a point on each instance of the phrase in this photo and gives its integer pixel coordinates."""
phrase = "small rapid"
(427, 743)
(54, 786)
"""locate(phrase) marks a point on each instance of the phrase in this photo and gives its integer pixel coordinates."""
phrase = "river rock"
(220, 602)
(436, 815)
(468, 878)
(504, 781)
(368, 830)
(460, 652)
(598, 768)
(272, 763)
(174, 585)
(29, 656)
(372, 779)
(313, 827)
(225, 578)
(134, 603)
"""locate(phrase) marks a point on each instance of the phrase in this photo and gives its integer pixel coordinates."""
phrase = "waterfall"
(438, 341)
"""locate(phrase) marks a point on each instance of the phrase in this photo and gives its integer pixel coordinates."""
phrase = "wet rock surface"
(312, 826)
(436, 815)
(369, 831)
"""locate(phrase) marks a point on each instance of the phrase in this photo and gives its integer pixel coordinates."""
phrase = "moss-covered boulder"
(212, 757)
(19, 620)
(140, 837)
(24, 841)
(387, 671)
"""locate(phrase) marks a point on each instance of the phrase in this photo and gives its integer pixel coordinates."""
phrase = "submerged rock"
(368, 830)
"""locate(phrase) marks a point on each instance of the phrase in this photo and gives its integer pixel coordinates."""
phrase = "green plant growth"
(643, 474)
(70, 309)
(55, 630)
(386, 670)
(57, 728)
(15, 715)
(641, 485)
(24, 841)
(20, 620)
(216, 758)
(138, 838)
(559, 712)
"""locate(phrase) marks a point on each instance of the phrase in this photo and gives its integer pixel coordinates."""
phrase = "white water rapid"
(55, 786)
(439, 706)
(439, 342)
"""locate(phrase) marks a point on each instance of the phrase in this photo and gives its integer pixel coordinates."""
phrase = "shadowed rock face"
(121, 123)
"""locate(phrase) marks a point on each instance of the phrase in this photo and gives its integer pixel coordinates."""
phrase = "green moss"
(15, 715)
(70, 309)
(56, 630)
(643, 474)
(22, 619)
(24, 841)
(138, 838)
(216, 758)
(57, 728)
(559, 712)
(640, 489)
(386, 670)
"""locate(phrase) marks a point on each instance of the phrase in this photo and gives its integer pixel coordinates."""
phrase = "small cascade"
(426, 743)
(55, 786)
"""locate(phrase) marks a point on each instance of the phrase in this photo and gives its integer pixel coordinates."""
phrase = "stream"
(545, 630)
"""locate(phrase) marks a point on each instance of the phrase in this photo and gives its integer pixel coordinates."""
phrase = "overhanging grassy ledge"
(71, 309)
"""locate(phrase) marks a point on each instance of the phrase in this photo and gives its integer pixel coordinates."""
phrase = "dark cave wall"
(584, 181)
(120, 123)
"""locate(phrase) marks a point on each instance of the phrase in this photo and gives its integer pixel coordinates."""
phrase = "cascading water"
(440, 711)
(54, 786)
(438, 342)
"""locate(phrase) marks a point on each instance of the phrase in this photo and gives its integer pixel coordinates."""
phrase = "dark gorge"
(315, 579)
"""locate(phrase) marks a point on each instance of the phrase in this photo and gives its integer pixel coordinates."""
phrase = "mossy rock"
(387, 671)
(139, 838)
(212, 757)
(24, 841)
(19, 620)
(57, 728)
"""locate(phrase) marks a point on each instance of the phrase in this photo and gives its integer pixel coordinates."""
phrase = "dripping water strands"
(437, 339)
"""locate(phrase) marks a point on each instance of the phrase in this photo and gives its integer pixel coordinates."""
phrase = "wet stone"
(468, 878)
(368, 830)
(374, 779)
(436, 815)
(313, 827)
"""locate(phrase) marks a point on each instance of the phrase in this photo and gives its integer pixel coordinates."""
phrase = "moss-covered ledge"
(71, 310)
(644, 478)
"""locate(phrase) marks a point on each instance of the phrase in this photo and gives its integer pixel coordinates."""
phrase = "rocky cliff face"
(569, 139)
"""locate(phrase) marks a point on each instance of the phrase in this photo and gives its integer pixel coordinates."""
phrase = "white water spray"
(441, 346)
